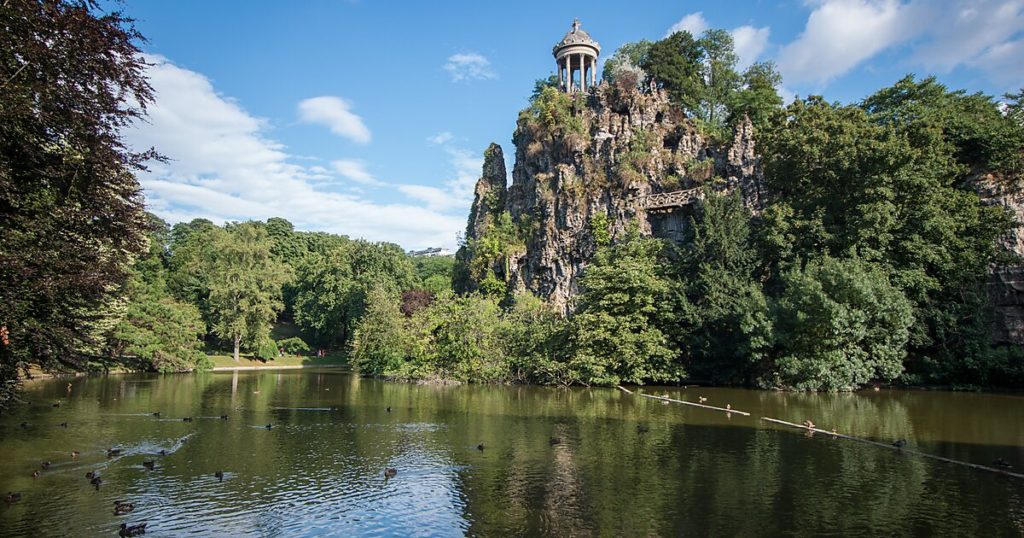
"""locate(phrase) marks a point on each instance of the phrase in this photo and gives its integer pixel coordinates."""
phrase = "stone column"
(568, 70)
(583, 74)
(593, 71)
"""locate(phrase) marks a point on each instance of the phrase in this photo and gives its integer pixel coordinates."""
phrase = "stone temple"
(576, 53)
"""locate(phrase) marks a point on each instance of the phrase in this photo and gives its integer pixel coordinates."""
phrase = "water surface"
(623, 465)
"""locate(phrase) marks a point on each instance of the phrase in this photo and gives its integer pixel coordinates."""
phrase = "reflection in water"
(623, 465)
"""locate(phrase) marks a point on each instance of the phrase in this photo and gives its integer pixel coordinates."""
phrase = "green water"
(319, 470)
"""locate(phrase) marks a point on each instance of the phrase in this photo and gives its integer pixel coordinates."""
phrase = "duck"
(269, 426)
(1002, 464)
(223, 417)
(808, 424)
(122, 507)
(899, 444)
(12, 497)
(157, 414)
(390, 472)
(132, 530)
(554, 441)
(149, 464)
(219, 475)
(187, 419)
(56, 404)
(45, 465)
(701, 399)
(111, 452)
(96, 481)
(480, 447)
(642, 429)
(163, 452)
(728, 407)
(63, 424)
(24, 425)
(90, 475)
(35, 474)
(74, 454)
(388, 409)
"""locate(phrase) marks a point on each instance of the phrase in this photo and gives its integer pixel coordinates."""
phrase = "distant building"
(430, 252)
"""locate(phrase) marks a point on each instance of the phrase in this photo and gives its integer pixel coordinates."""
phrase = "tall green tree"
(675, 64)
(331, 289)
(758, 97)
(719, 78)
(245, 286)
(720, 318)
(71, 213)
(839, 324)
(615, 334)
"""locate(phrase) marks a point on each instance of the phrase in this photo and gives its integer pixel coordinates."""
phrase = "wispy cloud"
(469, 66)
(355, 170)
(336, 114)
(224, 167)
(440, 138)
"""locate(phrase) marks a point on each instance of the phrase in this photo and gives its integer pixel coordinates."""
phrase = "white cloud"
(695, 23)
(440, 138)
(965, 32)
(224, 167)
(749, 43)
(469, 66)
(458, 191)
(356, 171)
(335, 113)
(842, 33)
(1003, 63)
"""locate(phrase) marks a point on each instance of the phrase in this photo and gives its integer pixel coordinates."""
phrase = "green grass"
(280, 331)
(225, 360)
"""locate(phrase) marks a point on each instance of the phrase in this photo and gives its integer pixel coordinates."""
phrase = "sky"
(370, 118)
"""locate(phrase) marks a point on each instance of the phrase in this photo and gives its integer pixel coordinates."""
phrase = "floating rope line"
(901, 450)
(667, 399)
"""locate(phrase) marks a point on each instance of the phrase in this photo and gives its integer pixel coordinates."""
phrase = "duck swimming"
(900, 443)
(269, 426)
(35, 474)
(149, 464)
(187, 419)
(554, 441)
(219, 475)
(1002, 464)
(122, 507)
(223, 417)
(12, 497)
(74, 454)
(390, 472)
(45, 465)
(480, 447)
(809, 424)
(132, 530)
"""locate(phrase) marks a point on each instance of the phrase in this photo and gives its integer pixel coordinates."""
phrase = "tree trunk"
(238, 344)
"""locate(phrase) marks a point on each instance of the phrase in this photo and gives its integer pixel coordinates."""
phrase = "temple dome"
(577, 36)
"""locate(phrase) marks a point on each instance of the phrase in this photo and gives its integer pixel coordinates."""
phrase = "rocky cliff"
(594, 160)
(1006, 282)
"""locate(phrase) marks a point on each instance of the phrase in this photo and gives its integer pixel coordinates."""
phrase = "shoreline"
(274, 367)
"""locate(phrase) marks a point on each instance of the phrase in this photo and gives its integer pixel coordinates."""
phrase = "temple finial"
(575, 25)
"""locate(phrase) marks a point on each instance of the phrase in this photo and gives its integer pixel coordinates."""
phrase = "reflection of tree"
(689, 471)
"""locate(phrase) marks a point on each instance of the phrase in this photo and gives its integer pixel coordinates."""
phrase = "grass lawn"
(222, 358)
(225, 360)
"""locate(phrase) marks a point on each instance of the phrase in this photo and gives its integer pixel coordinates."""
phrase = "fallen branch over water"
(667, 399)
(902, 450)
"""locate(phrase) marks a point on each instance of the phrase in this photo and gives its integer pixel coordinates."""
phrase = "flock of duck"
(124, 507)
(120, 507)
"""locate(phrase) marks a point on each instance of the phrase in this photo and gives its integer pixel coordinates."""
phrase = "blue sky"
(369, 118)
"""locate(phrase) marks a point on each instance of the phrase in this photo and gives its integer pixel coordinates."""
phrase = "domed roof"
(577, 36)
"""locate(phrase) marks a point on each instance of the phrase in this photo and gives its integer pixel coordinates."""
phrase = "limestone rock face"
(489, 200)
(631, 144)
(1006, 283)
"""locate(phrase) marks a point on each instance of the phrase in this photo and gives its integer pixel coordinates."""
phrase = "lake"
(622, 464)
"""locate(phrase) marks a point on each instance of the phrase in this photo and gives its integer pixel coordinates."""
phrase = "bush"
(294, 345)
